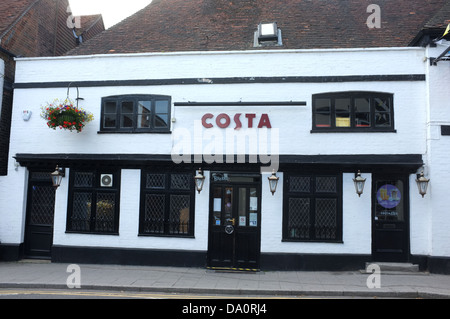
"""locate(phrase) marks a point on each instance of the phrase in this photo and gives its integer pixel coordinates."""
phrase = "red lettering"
(223, 120)
(265, 121)
(250, 118)
(207, 117)
(219, 120)
(237, 121)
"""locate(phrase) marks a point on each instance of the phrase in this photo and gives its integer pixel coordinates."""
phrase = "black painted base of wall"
(178, 258)
(313, 262)
(182, 258)
(11, 252)
(439, 265)
(122, 256)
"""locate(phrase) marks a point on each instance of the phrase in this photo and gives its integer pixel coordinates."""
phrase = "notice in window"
(253, 222)
(254, 203)
(217, 204)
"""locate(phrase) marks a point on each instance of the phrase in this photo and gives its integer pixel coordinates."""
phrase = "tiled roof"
(441, 19)
(89, 21)
(194, 25)
(10, 11)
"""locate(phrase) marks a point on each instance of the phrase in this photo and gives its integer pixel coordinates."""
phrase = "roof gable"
(207, 25)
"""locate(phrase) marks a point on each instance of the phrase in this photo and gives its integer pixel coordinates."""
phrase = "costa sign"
(224, 120)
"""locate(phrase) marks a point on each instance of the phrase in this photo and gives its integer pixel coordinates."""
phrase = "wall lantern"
(273, 182)
(422, 184)
(57, 176)
(359, 183)
(199, 180)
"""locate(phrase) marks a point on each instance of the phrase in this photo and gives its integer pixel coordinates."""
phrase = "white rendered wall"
(438, 155)
(356, 222)
(129, 221)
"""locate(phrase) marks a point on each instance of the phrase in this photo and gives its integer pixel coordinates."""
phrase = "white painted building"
(400, 72)
(315, 116)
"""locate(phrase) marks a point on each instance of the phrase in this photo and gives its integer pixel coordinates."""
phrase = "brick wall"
(6, 111)
(42, 31)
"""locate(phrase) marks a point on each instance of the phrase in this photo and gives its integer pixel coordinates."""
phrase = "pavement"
(389, 284)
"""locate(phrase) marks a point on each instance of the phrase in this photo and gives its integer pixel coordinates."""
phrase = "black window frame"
(313, 195)
(166, 191)
(135, 98)
(94, 190)
(352, 95)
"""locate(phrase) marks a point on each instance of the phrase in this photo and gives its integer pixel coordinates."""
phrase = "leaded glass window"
(312, 208)
(167, 204)
(93, 202)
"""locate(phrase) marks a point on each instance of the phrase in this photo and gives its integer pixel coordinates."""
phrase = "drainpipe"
(2, 82)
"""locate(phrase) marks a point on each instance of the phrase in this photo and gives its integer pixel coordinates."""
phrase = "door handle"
(232, 221)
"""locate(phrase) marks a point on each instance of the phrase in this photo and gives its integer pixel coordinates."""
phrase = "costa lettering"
(223, 120)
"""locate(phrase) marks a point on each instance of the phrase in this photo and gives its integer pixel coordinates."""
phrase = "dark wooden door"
(40, 216)
(390, 218)
(234, 230)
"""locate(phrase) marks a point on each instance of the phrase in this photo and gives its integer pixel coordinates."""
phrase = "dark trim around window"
(94, 201)
(312, 207)
(167, 205)
(353, 112)
(136, 114)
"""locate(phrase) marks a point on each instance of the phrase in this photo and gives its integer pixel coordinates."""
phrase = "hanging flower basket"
(65, 116)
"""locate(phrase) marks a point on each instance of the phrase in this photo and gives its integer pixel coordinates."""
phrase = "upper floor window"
(136, 113)
(353, 112)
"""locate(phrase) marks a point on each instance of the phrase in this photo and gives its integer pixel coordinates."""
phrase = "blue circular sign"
(389, 196)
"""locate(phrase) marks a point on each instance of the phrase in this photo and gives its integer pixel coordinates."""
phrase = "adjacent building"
(33, 28)
(240, 97)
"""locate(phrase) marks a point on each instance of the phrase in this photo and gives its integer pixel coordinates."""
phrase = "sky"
(113, 11)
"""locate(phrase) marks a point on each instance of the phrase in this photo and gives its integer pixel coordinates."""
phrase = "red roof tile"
(193, 25)
(441, 19)
(10, 11)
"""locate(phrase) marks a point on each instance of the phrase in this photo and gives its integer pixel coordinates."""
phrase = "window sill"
(350, 130)
(312, 241)
(133, 132)
(91, 233)
(167, 236)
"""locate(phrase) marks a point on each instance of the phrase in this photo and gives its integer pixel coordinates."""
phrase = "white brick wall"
(438, 154)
